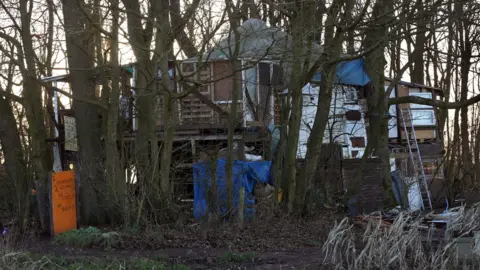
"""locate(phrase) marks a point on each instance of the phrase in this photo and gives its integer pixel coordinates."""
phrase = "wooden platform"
(404, 141)
(207, 132)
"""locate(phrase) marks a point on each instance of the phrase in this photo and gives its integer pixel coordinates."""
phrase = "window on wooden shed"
(426, 95)
(423, 117)
(357, 141)
(188, 67)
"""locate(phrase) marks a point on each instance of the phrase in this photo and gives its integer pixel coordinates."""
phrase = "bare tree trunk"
(332, 50)
(465, 46)
(114, 173)
(32, 92)
(476, 138)
(443, 113)
(183, 40)
(301, 29)
(280, 183)
(86, 115)
(453, 164)
(46, 70)
(350, 35)
(295, 92)
(146, 145)
(234, 18)
(420, 42)
(15, 165)
(146, 141)
(377, 100)
(162, 48)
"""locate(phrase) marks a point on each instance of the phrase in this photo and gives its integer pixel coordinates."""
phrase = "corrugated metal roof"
(59, 78)
(417, 85)
(66, 77)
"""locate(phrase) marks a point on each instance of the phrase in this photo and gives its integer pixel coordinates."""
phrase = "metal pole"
(134, 84)
(55, 106)
(57, 164)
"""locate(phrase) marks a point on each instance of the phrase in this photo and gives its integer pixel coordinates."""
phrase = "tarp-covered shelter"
(257, 42)
(244, 174)
(351, 72)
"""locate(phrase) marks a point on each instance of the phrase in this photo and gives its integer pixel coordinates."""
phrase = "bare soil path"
(194, 258)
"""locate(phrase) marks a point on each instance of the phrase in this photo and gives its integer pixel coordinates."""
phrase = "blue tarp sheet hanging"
(349, 72)
(244, 174)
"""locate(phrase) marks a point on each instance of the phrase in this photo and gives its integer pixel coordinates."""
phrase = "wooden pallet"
(398, 150)
(393, 141)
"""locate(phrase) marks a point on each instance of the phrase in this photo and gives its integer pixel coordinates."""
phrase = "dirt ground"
(273, 244)
(198, 258)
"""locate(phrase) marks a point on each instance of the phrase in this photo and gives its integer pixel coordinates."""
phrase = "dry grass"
(403, 245)
(467, 221)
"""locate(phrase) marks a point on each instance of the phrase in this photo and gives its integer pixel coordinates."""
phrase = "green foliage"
(86, 237)
(232, 257)
(133, 230)
(180, 267)
(89, 237)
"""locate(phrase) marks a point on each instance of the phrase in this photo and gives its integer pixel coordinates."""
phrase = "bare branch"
(435, 103)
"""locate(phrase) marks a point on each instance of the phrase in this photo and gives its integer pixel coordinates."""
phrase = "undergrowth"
(232, 257)
(406, 244)
(90, 237)
(19, 260)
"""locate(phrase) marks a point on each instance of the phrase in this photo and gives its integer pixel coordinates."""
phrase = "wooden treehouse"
(199, 125)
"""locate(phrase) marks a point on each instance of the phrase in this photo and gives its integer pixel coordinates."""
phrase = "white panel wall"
(310, 101)
(338, 130)
(392, 123)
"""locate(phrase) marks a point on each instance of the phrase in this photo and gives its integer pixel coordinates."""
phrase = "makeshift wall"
(329, 170)
(369, 188)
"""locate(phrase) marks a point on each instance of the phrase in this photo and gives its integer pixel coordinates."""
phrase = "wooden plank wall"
(223, 85)
(422, 133)
(192, 110)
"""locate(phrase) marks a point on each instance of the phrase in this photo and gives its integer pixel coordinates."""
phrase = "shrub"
(232, 257)
(89, 237)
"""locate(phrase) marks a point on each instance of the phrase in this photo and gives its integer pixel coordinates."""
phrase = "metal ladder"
(416, 157)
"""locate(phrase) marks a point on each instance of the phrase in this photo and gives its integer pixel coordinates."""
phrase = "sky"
(203, 17)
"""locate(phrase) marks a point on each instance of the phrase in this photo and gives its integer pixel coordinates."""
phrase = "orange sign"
(63, 202)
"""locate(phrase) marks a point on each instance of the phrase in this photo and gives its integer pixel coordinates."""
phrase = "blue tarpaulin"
(350, 73)
(244, 174)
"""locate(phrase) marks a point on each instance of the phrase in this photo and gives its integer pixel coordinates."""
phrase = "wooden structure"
(257, 82)
(198, 126)
(424, 117)
(349, 117)
(423, 126)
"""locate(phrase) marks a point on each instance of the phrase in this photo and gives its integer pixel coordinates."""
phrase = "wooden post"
(194, 150)
(241, 147)
(241, 206)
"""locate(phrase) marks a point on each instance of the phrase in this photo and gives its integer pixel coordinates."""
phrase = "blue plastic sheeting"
(350, 73)
(244, 174)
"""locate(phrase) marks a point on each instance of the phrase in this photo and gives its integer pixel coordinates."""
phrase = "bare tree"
(81, 55)
(19, 35)
(12, 149)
